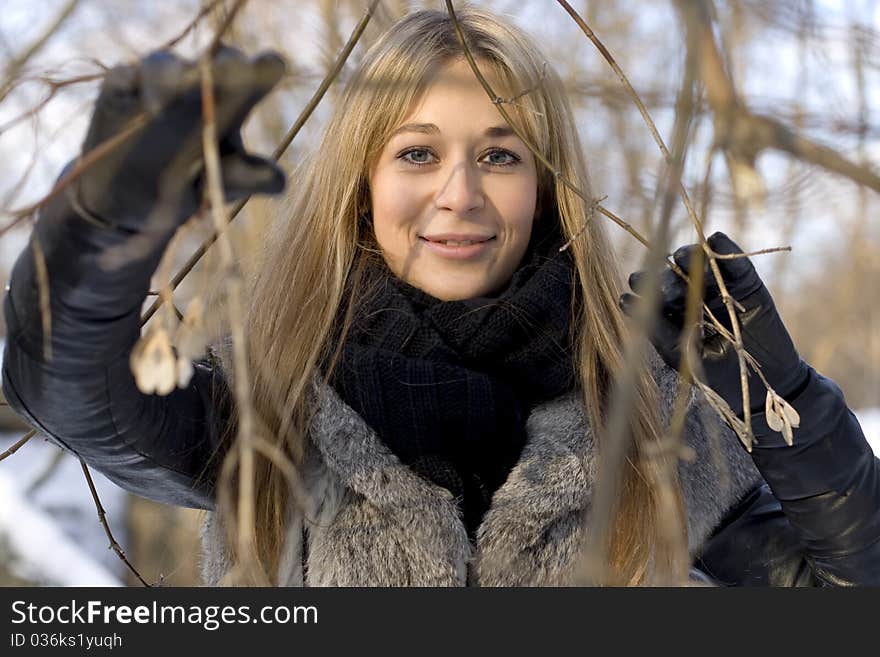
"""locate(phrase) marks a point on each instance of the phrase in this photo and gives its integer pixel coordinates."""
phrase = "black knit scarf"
(448, 385)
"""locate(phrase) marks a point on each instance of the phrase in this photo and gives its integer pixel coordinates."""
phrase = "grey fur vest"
(372, 521)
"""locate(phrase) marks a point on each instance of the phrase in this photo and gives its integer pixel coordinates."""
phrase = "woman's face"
(454, 170)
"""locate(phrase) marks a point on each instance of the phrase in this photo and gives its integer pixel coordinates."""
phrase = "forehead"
(454, 94)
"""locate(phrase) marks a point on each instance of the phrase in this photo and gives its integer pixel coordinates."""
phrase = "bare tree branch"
(19, 62)
(21, 441)
(742, 134)
(207, 9)
(102, 517)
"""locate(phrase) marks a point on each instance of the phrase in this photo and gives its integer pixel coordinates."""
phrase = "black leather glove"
(763, 333)
(152, 181)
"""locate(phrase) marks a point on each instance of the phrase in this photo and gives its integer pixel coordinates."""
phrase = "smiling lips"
(457, 246)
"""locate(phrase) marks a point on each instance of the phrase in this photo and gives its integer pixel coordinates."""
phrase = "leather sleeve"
(817, 520)
(82, 393)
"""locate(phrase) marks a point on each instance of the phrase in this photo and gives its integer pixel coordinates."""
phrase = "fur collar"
(373, 522)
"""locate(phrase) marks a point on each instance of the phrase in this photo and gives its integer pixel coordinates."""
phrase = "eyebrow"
(432, 129)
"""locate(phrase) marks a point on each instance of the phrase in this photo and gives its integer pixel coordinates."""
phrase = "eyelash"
(515, 158)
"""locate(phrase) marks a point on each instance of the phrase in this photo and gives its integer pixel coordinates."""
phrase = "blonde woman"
(434, 370)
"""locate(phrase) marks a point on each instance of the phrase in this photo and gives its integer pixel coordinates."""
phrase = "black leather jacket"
(815, 522)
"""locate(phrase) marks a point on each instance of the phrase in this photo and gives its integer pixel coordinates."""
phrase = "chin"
(453, 292)
(456, 285)
(450, 295)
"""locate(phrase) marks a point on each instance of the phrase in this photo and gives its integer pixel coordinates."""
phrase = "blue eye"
(514, 158)
(421, 157)
(418, 152)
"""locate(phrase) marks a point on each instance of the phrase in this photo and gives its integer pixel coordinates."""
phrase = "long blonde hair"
(311, 266)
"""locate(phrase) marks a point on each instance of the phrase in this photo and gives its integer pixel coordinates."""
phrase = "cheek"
(515, 199)
(394, 203)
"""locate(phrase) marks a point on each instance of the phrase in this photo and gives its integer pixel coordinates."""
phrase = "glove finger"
(731, 268)
(673, 292)
(665, 332)
(234, 73)
(174, 86)
(686, 256)
(628, 304)
(168, 81)
(739, 274)
(170, 93)
(118, 100)
(164, 76)
(245, 174)
(672, 289)
(639, 280)
(119, 90)
(666, 338)
(241, 83)
(231, 69)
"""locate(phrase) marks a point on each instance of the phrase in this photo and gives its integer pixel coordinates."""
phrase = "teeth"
(459, 243)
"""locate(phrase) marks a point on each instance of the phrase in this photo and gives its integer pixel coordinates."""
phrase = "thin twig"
(749, 254)
(620, 75)
(191, 26)
(21, 441)
(102, 517)
(525, 92)
(217, 42)
(662, 468)
(241, 377)
(697, 222)
(54, 87)
(695, 17)
(19, 62)
(659, 466)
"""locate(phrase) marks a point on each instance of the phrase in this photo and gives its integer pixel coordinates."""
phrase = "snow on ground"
(869, 418)
(53, 531)
(35, 548)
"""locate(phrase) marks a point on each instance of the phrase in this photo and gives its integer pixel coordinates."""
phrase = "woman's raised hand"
(763, 333)
(152, 180)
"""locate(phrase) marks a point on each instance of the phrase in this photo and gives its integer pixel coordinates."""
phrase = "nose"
(462, 191)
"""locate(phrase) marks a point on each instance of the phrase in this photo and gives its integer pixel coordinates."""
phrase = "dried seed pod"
(781, 416)
(791, 415)
(771, 410)
(191, 337)
(184, 371)
(788, 434)
(153, 363)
